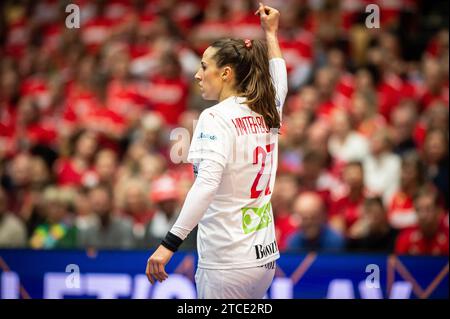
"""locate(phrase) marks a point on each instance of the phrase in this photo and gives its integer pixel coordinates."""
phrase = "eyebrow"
(203, 63)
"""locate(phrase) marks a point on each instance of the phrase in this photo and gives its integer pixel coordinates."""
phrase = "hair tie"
(248, 43)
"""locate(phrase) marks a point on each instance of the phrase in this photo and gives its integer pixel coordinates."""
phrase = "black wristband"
(172, 242)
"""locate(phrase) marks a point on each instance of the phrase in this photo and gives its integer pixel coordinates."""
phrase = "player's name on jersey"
(250, 125)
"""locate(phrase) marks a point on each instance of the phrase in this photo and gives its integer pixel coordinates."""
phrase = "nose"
(197, 76)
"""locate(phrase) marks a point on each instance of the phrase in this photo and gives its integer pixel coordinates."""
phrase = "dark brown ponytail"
(250, 62)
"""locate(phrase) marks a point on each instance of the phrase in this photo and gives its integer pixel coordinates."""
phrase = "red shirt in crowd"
(208, 30)
(285, 225)
(37, 88)
(419, 134)
(95, 32)
(140, 219)
(7, 119)
(80, 102)
(391, 91)
(43, 133)
(413, 242)
(346, 86)
(297, 51)
(7, 122)
(17, 38)
(348, 208)
(52, 36)
(168, 97)
(401, 213)
(246, 26)
(110, 125)
(326, 109)
(67, 174)
(124, 99)
(427, 98)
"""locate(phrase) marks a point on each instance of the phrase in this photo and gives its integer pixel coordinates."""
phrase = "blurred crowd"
(86, 116)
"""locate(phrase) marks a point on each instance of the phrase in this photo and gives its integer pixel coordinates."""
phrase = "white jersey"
(237, 230)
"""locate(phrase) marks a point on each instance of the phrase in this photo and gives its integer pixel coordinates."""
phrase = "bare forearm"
(274, 50)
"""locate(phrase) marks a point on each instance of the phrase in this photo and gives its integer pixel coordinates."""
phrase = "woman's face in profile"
(208, 76)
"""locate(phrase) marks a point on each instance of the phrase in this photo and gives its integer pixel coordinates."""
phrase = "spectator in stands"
(431, 235)
(434, 117)
(285, 191)
(9, 95)
(151, 132)
(436, 84)
(164, 194)
(122, 96)
(105, 167)
(314, 234)
(80, 95)
(315, 177)
(437, 116)
(110, 231)
(129, 166)
(382, 167)
(347, 208)
(297, 124)
(294, 141)
(436, 159)
(365, 86)
(23, 199)
(84, 216)
(72, 171)
(318, 135)
(364, 114)
(403, 119)
(30, 130)
(325, 81)
(152, 167)
(312, 169)
(401, 212)
(168, 90)
(13, 233)
(57, 231)
(345, 144)
(39, 178)
(307, 99)
(40, 173)
(136, 205)
(373, 232)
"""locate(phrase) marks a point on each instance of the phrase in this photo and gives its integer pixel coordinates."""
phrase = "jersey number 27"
(262, 153)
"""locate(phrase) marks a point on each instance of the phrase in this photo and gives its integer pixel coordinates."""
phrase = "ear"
(227, 73)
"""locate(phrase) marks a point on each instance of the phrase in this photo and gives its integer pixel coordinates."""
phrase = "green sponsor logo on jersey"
(256, 218)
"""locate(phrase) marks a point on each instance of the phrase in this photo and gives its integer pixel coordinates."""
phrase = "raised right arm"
(269, 21)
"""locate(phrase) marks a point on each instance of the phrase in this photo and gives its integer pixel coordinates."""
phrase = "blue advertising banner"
(120, 274)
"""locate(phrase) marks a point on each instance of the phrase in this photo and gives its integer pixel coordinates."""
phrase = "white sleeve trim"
(278, 72)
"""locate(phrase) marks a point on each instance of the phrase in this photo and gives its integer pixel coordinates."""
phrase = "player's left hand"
(156, 263)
